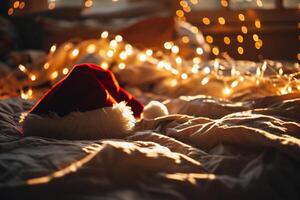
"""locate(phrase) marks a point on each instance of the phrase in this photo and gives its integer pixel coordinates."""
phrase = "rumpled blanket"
(205, 149)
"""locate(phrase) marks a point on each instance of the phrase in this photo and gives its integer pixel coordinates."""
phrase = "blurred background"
(245, 29)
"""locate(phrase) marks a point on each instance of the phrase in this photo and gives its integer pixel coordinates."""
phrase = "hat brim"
(108, 122)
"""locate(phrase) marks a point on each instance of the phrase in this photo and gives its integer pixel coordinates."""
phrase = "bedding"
(205, 148)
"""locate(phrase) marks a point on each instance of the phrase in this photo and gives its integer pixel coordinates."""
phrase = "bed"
(247, 151)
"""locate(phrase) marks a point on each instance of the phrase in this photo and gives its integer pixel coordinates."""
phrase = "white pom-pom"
(155, 109)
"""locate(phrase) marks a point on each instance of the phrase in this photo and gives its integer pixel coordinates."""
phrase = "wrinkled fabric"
(251, 150)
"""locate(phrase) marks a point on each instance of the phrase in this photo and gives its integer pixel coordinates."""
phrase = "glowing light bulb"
(22, 68)
(53, 48)
(46, 65)
(113, 44)
(204, 81)
(54, 75)
(184, 76)
(110, 53)
(119, 38)
(206, 21)
(199, 51)
(142, 57)
(65, 71)
(75, 53)
(121, 65)
(104, 34)
(168, 45)
(33, 77)
(175, 49)
(178, 60)
(227, 40)
(221, 20)
(149, 52)
(206, 70)
(227, 91)
(91, 48)
(241, 17)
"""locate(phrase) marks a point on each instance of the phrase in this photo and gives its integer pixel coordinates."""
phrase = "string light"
(206, 21)
(241, 17)
(240, 38)
(209, 39)
(65, 71)
(199, 51)
(215, 51)
(221, 20)
(104, 34)
(227, 40)
(244, 29)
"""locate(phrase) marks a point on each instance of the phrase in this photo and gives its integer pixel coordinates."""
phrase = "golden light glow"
(215, 51)
(204, 81)
(179, 13)
(206, 70)
(53, 48)
(227, 91)
(54, 75)
(241, 17)
(121, 65)
(88, 3)
(240, 50)
(46, 65)
(206, 21)
(224, 3)
(178, 60)
(168, 45)
(91, 48)
(113, 44)
(185, 39)
(194, 29)
(75, 53)
(184, 76)
(209, 39)
(104, 34)
(32, 77)
(257, 23)
(196, 60)
(142, 57)
(149, 52)
(194, 2)
(104, 65)
(298, 56)
(110, 53)
(16, 4)
(221, 20)
(175, 49)
(240, 38)
(234, 84)
(244, 29)
(255, 37)
(51, 5)
(226, 40)
(199, 51)
(22, 68)
(10, 11)
(22, 5)
(65, 71)
(259, 3)
(119, 38)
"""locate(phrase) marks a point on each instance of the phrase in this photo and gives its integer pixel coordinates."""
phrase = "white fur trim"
(107, 122)
(155, 109)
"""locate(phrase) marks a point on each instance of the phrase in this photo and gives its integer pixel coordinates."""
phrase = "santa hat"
(86, 104)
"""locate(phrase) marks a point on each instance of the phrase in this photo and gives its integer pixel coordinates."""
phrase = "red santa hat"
(86, 104)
